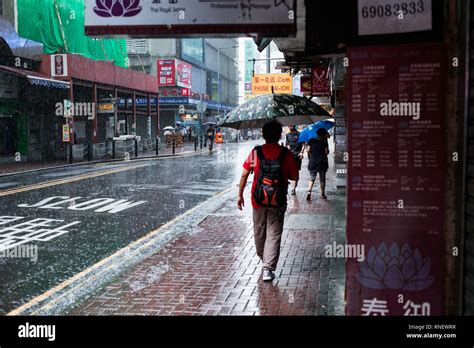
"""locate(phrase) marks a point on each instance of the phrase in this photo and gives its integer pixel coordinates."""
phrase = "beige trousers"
(268, 228)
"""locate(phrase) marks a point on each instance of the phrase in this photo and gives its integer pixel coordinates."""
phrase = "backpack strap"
(282, 155)
(260, 154)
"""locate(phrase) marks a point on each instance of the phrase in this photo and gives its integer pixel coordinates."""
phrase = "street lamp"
(219, 76)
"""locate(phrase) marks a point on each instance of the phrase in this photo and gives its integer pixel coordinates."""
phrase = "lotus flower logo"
(395, 269)
(117, 8)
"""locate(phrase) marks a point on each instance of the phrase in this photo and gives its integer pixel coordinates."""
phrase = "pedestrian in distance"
(318, 151)
(297, 150)
(273, 165)
(210, 135)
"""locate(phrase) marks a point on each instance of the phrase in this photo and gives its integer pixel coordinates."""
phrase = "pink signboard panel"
(395, 110)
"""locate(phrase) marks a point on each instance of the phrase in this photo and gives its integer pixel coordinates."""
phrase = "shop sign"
(66, 133)
(59, 65)
(171, 17)
(268, 83)
(394, 16)
(396, 179)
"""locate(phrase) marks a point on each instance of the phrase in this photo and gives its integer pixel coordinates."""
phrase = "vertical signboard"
(166, 70)
(59, 65)
(395, 111)
(184, 74)
(321, 83)
(249, 56)
(66, 134)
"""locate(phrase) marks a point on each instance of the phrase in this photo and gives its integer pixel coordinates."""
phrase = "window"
(137, 46)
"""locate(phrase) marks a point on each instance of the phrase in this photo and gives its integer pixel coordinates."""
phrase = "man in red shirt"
(269, 187)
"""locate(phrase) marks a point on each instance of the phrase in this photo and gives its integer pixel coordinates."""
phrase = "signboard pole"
(96, 114)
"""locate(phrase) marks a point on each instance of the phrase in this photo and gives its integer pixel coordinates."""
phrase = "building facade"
(210, 60)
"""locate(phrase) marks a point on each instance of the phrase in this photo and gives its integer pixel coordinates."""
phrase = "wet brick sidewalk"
(214, 270)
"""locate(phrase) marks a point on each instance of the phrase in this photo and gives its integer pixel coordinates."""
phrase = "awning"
(35, 78)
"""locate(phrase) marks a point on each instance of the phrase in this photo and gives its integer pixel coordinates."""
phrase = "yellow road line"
(87, 176)
(145, 241)
(65, 181)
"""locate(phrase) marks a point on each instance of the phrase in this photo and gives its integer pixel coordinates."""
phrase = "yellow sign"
(66, 133)
(263, 83)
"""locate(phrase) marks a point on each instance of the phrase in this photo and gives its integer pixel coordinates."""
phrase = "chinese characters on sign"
(272, 83)
(166, 72)
(396, 165)
(59, 66)
(174, 72)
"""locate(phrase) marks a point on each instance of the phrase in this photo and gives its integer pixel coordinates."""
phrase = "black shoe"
(293, 192)
(308, 196)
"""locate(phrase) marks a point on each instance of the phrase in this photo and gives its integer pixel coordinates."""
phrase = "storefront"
(109, 101)
(27, 101)
(190, 111)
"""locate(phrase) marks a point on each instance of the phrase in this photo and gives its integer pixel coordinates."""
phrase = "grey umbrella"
(287, 109)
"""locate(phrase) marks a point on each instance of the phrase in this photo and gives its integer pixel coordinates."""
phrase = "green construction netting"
(38, 20)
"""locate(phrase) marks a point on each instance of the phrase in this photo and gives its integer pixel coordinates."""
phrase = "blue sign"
(177, 101)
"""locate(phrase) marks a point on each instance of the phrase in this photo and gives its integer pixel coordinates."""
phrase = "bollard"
(195, 144)
(113, 149)
(201, 141)
(136, 148)
(157, 145)
(174, 146)
(89, 152)
(70, 153)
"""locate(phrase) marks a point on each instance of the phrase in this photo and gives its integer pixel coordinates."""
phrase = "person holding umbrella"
(318, 151)
(296, 149)
(273, 165)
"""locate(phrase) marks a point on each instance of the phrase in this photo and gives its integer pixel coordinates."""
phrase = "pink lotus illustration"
(395, 269)
(117, 8)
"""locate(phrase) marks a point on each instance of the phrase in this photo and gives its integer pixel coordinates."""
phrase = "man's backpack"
(271, 189)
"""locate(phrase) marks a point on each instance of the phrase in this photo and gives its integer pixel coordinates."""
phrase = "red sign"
(184, 71)
(395, 110)
(174, 72)
(321, 82)
(166, 70)
(305, 84)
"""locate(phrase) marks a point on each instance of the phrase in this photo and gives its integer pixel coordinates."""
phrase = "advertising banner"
(263, 83)
(395, 111)
(321, 82)
(171, 17)
(166, 70)
(184, 74)
(174, 72)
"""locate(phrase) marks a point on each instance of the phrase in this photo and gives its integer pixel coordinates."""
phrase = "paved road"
(77, 216)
